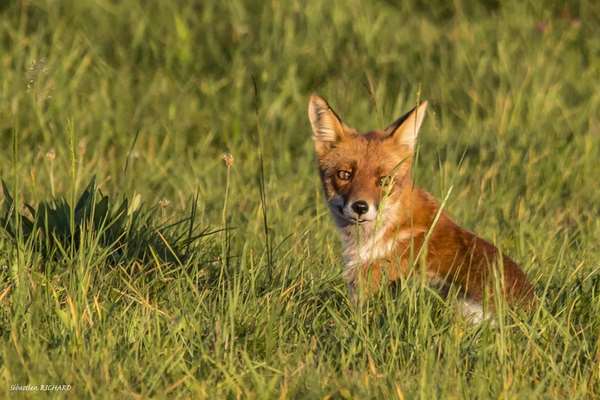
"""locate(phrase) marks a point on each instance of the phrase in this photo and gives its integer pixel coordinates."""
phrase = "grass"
(147, 96)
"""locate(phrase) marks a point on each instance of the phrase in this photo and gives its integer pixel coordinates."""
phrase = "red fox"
(385, 221)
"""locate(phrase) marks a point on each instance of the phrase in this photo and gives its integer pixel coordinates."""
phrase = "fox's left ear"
(404, 130)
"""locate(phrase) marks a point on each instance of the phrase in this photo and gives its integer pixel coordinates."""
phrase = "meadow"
(147, 97)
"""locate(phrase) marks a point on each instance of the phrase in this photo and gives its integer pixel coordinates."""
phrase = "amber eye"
(384, 180)
(344, 175)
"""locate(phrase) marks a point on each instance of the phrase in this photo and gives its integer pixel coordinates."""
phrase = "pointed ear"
(327, 127)
(405, 129)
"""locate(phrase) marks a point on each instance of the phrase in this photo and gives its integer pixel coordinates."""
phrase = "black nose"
(360, 207)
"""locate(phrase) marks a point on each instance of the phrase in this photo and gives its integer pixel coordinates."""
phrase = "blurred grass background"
(260, 311)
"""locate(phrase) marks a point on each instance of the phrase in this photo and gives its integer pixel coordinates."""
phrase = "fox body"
(386, 222)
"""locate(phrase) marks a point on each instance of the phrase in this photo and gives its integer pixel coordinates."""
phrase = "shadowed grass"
(126, 232)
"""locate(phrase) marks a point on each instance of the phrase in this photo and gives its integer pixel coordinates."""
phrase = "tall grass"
(147, 96)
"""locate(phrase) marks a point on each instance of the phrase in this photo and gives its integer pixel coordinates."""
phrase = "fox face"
(362, 174)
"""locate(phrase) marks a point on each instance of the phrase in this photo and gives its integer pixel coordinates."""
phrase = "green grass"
(147, 96)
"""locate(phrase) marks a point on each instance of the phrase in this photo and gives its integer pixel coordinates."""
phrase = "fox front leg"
(364, 281)
(352, 292)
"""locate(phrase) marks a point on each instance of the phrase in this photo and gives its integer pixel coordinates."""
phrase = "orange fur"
(399, 219)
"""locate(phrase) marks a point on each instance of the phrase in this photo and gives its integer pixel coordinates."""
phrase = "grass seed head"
(228, 159)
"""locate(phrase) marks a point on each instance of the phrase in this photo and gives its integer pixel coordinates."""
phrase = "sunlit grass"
(148, 96)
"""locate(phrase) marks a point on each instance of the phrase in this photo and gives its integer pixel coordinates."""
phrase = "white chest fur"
(362, 245)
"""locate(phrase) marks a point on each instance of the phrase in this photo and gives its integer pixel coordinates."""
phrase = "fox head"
(361, 172)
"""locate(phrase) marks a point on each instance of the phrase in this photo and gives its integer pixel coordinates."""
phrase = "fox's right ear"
(327, 127)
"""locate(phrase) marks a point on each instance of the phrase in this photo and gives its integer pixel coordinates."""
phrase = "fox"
(385, 222)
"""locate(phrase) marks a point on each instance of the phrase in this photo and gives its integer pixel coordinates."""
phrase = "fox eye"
(344, 175)
(384, 180)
